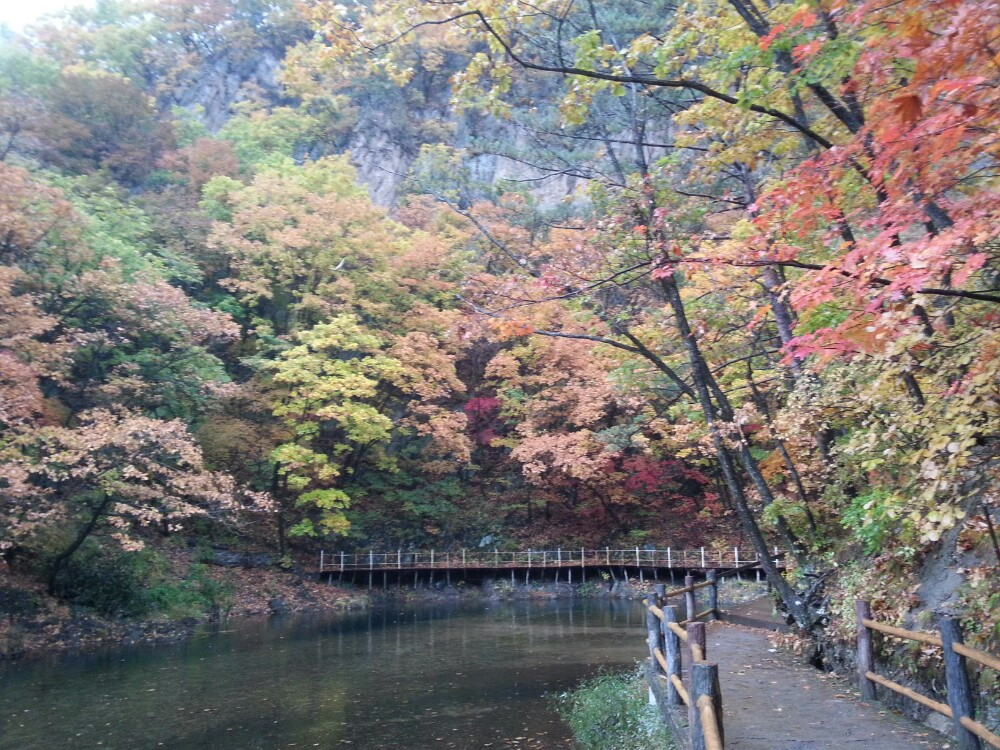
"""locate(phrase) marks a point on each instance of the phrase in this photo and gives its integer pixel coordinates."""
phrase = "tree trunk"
(63, 557)
(703, 380)
(277, 493)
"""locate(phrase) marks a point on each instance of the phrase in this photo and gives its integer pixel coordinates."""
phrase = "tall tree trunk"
(280, 515)
(703, 381)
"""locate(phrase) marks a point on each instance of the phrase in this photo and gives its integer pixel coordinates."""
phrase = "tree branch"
(652, 81)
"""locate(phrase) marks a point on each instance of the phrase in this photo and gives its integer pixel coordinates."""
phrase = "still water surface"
(456, 676)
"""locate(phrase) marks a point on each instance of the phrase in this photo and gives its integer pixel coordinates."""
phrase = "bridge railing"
(960, 707)
(702, 557)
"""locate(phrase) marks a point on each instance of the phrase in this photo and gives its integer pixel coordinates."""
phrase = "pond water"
(448, 676)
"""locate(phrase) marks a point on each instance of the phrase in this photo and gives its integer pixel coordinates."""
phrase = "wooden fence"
(495, 559)
(666, 633)
(960, 707)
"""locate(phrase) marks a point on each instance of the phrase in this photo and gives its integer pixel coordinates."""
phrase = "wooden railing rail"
(913, 635)
(704, 697)
(987, 660)
(960, 708)
(678, 631)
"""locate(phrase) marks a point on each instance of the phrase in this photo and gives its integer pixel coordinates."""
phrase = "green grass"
(611, 712)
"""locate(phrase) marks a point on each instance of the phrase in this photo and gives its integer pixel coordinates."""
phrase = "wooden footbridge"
(557, 564)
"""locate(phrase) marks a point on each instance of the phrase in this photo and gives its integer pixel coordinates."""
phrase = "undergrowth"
(139, 584)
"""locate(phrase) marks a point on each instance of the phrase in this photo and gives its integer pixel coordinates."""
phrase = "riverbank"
(35, 625)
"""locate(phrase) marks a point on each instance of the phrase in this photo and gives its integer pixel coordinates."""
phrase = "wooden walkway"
(772, 701)
(634, 559)
(722, 686)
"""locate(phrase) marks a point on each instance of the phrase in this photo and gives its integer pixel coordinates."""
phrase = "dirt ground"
(771, 701)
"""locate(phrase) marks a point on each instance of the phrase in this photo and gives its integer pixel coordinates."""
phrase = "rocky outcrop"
(390, 129)
(212, 90)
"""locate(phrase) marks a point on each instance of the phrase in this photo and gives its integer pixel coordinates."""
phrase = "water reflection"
(443, 676)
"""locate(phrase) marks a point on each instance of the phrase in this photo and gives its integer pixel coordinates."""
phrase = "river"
(445, 676)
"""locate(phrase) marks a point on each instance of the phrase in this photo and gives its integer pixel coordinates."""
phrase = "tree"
(25, 82)
(25, 356)
(343, 383)
(116, 471)
(103, 121)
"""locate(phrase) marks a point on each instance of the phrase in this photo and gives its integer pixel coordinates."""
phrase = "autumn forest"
(279, 276)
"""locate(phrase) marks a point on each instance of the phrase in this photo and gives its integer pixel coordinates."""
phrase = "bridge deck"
(480, 560)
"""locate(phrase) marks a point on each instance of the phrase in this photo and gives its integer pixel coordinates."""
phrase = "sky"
(19, 13)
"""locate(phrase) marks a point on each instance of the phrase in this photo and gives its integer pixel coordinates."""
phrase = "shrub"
(610, 712)
(192, 597)
(108, 581)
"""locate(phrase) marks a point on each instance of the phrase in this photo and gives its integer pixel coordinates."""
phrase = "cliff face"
(230, 78)
(383, 160)
(389, 130)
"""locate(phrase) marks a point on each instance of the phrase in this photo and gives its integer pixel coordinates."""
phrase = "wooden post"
(653, 635)
(321, 555)
(713, 595)
(545, 558)
(637, 557)
(559, 556)
(583, 557)
(371, 560)
(496, 558)
(607, 556)
(866, 651)
(689, 598)
(696, 637)
(672, 651)
(341, 562)
(432, 558)
(670, 563)
(704, 683)
(660, 589)
(959, 685)
(702, 557)
(463, 557)
(399, 559)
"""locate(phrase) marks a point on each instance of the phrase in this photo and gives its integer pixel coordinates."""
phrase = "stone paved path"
(773, 702)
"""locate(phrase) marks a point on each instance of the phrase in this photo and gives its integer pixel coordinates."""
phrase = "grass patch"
(611, 712)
